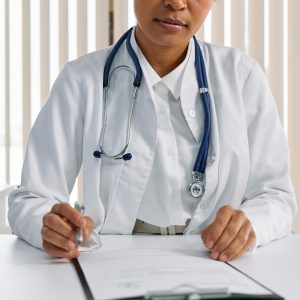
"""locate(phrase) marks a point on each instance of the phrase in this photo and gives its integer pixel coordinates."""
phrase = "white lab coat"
(247, 163)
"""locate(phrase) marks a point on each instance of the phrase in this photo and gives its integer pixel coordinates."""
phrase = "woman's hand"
(230, 235)
(59, 227)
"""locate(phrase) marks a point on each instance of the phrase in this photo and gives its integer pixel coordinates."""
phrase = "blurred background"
(37, 37)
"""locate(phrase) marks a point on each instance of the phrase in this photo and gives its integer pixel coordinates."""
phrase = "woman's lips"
(172, 25)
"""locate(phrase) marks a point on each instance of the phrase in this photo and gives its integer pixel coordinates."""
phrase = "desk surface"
(276, 265)
(28, 273)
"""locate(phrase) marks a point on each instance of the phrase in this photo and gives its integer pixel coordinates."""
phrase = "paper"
(134, 272)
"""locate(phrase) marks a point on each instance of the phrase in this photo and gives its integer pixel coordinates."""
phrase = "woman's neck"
(163, 59)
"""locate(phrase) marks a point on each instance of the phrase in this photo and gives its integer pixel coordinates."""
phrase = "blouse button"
(192, 113)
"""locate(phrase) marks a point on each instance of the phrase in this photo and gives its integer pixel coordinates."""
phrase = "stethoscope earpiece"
(98, 154)
(127, 156)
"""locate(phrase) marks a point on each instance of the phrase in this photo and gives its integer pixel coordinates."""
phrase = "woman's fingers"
(248, 245)
(229, 234)
(59, 228)
(71, 214)
(59, 252)
(57, 239)
(59, 225)
(88, 228)
(239, 243)
(217, 228)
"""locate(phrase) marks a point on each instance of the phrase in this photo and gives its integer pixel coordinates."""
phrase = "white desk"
(276, 265)
(28, 273)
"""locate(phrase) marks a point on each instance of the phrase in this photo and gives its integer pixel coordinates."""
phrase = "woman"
(248, 199)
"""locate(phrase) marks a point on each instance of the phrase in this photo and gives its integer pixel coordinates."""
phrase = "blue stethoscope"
(197, 187)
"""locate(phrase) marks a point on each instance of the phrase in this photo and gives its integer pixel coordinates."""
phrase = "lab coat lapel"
(190, 99)
(124, 204)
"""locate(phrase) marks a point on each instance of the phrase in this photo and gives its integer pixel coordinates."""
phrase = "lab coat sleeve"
(269, 201)
(52, 160)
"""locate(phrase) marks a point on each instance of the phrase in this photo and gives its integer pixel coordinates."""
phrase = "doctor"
(155, 121)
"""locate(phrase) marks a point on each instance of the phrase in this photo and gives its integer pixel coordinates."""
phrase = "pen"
(78, 235)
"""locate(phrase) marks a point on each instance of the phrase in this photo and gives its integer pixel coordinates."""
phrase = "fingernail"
(80, 221)
(224, 257)
(210, 244)
(85, 232)
(76, 254)
(215, 255)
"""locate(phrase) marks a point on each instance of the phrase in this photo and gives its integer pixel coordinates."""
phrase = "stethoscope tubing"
(200, 163)
(137, 83)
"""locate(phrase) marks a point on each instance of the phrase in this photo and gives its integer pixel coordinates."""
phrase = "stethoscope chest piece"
(197, 187)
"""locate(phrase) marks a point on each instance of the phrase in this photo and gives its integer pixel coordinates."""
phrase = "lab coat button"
(192, 113)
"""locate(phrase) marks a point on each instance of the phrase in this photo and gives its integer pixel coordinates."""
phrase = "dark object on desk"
(84, 284)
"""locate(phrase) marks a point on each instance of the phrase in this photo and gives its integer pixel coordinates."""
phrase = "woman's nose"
(175, 4)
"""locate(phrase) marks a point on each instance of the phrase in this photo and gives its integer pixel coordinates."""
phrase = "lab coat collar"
(190, 98)
(181, 82)
(172, 80)
(148, 72)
